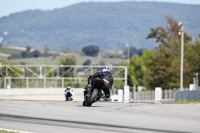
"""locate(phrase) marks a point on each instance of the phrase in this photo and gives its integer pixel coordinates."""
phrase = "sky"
(8, 7)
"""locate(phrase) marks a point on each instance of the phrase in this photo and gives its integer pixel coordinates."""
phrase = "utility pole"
(128, 54)
(197, 81)
(182, 55)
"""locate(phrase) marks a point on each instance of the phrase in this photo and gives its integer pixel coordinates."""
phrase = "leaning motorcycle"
(93, 92)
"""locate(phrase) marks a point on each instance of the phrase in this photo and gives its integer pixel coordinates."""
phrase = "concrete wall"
(38, 91)
(188, 95)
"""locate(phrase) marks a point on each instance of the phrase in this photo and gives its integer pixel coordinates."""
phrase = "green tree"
(150, 61)
(28, 48)
(25, 54)
(67, 71)
(192, 60)
(140, 51)
(36, 53)
(167, 67)
(137, 70)
(160, 67)
(10, 72)
(132, 50)
(91, 50)
(166, 34)
(46, 52)
(87, 62)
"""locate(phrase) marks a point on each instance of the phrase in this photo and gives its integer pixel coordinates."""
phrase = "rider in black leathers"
(104, 75)
(68, 94)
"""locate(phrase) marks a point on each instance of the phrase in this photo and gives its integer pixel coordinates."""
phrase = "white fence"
(53, 76)
(149, 96)
(38, 91)
(45, 82)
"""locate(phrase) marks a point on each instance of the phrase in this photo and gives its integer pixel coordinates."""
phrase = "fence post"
(91, 70)
(126, 94)
(44, 82)
(24, 71)
(57, 72)
(5, 83)
(6, 71)
(125, 76)
(62, 82)
(40, 71)
(9, 83)
(120, 95)
(27, 82)
(170, 95)
(134, 92)
(158, 94)
(56, 82)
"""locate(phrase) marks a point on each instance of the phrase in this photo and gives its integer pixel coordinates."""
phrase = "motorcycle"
(93, 93)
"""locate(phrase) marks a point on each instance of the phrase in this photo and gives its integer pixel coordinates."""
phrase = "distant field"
(38, 61)
(9, 51)
(98, 60)
(56, 60)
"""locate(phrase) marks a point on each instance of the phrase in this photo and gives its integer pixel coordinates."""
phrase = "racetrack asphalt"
(102, 117)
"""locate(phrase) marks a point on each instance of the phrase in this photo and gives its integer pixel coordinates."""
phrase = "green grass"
(4, 131)
(98, 60)
(9, 51)
(56, 60)
(186, 102)
(38, 61)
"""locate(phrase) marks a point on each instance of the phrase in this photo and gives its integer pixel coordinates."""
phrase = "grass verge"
(186, 102)
(4, 131)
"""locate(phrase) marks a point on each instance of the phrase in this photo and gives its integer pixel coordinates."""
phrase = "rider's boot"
(102, 94)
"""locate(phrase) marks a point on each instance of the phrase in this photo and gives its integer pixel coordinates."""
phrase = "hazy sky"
(11, 6)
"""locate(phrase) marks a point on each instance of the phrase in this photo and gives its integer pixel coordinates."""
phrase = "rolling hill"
(109, 25)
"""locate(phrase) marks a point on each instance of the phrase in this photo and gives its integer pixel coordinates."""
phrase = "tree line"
(28, 53)
(160, 67)
(93, 50)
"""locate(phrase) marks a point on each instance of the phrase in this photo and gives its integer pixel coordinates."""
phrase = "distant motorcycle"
(93, 92)
(68, 94)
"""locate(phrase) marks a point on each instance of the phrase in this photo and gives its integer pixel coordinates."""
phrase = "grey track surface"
(72, 117)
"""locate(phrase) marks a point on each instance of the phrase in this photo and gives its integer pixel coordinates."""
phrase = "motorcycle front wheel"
(93, 98)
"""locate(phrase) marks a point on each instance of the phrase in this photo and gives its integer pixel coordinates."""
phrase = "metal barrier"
(188, 95)
(31, 82)
(149, 96)
(52, 76)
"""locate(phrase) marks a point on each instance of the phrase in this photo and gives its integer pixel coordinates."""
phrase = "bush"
(91, 50)
(67, 71)
(36, 53)
(87, 62)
